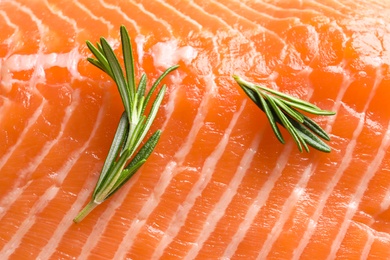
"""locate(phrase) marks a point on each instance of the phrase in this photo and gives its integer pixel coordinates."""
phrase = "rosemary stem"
(85, 211)
(242, 81)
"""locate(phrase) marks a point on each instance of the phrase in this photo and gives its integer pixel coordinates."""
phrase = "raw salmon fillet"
(219, 185)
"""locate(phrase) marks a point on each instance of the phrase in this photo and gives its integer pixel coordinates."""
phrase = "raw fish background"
(219, 184)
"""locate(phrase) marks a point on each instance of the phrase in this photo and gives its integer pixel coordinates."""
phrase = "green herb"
(286, 110)
(122, 160)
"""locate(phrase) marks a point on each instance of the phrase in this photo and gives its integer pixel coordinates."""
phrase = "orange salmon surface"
(219, 185)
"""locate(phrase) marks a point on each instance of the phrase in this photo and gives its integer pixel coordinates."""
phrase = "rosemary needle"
(286, 110)
(124, 158)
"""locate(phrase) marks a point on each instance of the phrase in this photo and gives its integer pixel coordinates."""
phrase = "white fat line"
(258, 202)
(341, 5)
(368, 175)
(140, 42)
(238, 30)
(39, 62)
(30, 123)
(271, 9)
(169, 107)
(109, 25)
(339, 172)
(154, 17)
(228, 10)
(122, 13)
(380, 4)
(4, 109)
(52, 8)
(220, 208)
(362, 187)
(206, 173)
(367, 245)
(71, 59)
(274, 8)
(13, 38)
(326, 9)
(146, 210)
(347, 80)
(67, 219)
(52, 244)
(49, 194)
(258, 27)
(199, 8)
(104, 220)
(215, 40)
(221, 20)
(286, 210)
(6, 83)
(199, 119)
(372, 236)
(385, 204)
(221, 34)
(168, 173)
(22, 62)
(22, 230)
(254, 13)
(26, 172)
(182, 15)
(84, 194)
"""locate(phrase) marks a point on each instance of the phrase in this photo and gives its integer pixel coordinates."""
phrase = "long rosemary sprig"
(124, 158)
(286, 110)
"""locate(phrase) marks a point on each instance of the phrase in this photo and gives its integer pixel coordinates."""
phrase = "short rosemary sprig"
(122, 160)
(286, 110)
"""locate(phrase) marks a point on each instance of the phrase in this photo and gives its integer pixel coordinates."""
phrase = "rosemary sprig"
(124, 158)
(286, 110)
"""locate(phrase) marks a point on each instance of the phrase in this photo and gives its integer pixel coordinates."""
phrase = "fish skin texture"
(219, 185)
